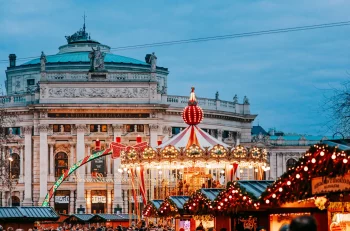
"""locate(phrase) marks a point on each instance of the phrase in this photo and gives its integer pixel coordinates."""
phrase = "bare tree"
(337, 106)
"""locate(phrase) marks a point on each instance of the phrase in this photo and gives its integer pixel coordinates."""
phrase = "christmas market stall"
(319, 185)
(238, 206)
(173, 213)
(199, 205)
(108, 220)
(151, 212)
(26, 217)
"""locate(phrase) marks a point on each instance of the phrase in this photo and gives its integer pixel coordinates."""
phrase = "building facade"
(58, 106)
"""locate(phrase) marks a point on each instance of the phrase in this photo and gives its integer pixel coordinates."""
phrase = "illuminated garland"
(295, 185)
(239, 152)
(233, 198)
(148, 153)
(168, 209)
(150, 210)
(72, 169)
(198, 204)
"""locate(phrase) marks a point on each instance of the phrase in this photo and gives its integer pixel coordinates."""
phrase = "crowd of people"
(302, 223)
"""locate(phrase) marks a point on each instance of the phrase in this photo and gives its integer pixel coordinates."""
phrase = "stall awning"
(80, 217)
(156, 203)
(211, 193)
(28, 213)
(343, 145)
(126, 216)
(254, 187)
(179, 201)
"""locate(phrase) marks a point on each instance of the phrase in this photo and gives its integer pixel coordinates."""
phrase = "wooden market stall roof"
(255, 187)
(319, 173)
(103, 217)
(152, 207)
(211, 193)
(28, 213)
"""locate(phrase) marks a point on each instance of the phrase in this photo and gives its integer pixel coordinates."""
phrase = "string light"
(345, 161)
(322, 153)
(306, 168)
(313, 160)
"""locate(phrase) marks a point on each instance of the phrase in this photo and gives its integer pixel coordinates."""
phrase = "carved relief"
(153, 127)
(118, 127)
(81, 127)
(43, 114)
(167, 130)
(220, 133)
(43, 127)
(27, 130)
(131, 92)
(43, 91)
(62, 148)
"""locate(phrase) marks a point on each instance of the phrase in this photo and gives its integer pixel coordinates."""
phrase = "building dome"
(77, 50)
(83, 56)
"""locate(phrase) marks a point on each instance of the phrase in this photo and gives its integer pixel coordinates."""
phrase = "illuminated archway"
(72, 169)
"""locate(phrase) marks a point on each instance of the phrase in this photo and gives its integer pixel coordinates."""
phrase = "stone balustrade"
(110, 76)
(19, 100)
(208, 104)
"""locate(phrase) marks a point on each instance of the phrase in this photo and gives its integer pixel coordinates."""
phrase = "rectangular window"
(15, 131)
(175, 130)
(61, 128)
(130, 127)
(140, 128)
(30, 82)
(98, 127)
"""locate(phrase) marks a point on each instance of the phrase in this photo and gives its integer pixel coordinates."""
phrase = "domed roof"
(84, 57)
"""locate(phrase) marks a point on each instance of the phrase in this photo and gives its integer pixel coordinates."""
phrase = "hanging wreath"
(132, 154)
(194, 151)
(239, 152)
(169, 152)
(148, 153)
(218, 151)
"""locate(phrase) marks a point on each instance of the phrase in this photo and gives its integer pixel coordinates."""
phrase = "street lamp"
(10, 159)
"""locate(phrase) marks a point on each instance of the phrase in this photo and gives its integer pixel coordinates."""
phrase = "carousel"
(189, 161)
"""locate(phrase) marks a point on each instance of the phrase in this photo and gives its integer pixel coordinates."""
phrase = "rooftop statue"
(235, 99)
(152, 59)
(245, 100)
(43, 61)
(97, 62)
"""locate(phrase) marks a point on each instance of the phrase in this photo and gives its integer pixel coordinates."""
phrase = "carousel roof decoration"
(172, 206)
(233, 198)
(328, 159)
(200, 202)
(193, 145)
(151, 209)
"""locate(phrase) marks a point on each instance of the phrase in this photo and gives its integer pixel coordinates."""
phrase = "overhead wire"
(220, 37)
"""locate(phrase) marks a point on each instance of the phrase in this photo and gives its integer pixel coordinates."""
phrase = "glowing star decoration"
(192, 114)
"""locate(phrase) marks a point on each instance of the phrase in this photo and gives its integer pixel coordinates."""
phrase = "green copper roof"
(84, 57)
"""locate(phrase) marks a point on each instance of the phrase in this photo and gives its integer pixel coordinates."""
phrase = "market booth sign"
(321, 185)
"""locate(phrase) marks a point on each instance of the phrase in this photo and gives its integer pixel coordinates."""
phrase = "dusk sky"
(285, 76)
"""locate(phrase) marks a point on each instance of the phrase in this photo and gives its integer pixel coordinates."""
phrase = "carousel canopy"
(193, 135)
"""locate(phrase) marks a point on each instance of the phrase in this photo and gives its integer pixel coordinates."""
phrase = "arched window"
(291, 163)
(61, 163)
(15, 201)
(15, 166)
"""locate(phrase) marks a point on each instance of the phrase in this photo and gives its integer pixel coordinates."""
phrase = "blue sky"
(285, 76)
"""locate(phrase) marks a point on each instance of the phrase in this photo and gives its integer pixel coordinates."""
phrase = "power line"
(222, 37)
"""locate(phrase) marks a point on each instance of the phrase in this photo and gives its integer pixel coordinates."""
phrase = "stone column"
(88, 167)
(88, 201)
(166, 132)
(71, 202)
(80, 201)
(109, 200)
(21, 193)
(21, 169)
(153, 134)
(71, 159)
(238, 138)
(43, 160)
(220, 134)
(52, 163)
(28, 200)
(117, 198)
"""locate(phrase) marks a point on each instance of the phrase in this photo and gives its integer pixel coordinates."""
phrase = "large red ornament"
(192, 114)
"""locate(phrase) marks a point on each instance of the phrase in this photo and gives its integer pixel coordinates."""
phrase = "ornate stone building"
(62, 103)
(283, 149)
